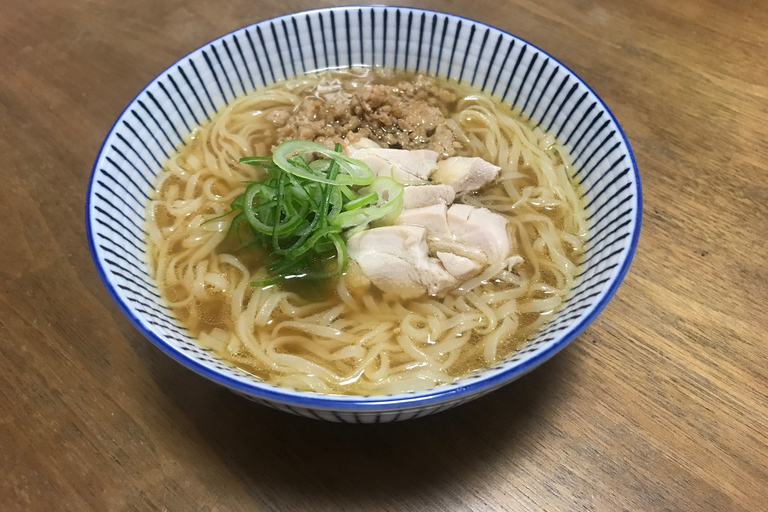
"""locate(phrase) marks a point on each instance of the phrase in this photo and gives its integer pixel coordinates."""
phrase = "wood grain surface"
(659, 405)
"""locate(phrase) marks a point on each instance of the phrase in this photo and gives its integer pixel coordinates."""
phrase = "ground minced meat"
(408, 115)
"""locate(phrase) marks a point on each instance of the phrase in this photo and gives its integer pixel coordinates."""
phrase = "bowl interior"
(194, 88)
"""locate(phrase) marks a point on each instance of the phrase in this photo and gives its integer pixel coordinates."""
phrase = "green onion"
(305, 209)
(361, 201)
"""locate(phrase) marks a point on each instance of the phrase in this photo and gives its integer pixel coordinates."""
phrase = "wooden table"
(659, 405)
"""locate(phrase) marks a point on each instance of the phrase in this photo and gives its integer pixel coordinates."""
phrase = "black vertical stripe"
(613, 235)
(133, 291)
(525, 78)
(373, 37)
(607, 172)
(245, 62)
(544, 91)
(397, 35)
(266, 53)
(289, 45)
(130, 272)
(223, 69)
(175, 106)
(456, 35)
(466, 53)
(360, 36)
(128, 125)
(159, 126)
(431, 43)
(591, 139)
(278, 49)
(408, 40)
(150, 132)
(194, 92)
(129, 162)
(480, 56)
(603, 190)
(295, 25)
(167, 118)
(321, 21)
(421, 40)
(119, 247)
(114, 164)
(313, 414)
(580, 295)
(122, 214)
(162, 322)
(602, 159)
(514, 71)
(605, 215)
(256, 58)
(121, 197)
(608, 225)
(560, 108)
(503, 66)
(335, 40)
(492, 61)
(207, 94)
(533, 87)
(311, 41)
(441, 46)
(570, 114)
(604, 258)
(120, 234)
(120, 184)
(384, 39)
(592, 294)
(348, 29)
(581, 120)
(120, 256)
(552, 100)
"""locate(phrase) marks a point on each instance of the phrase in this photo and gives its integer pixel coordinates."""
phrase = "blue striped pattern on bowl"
(189, 92)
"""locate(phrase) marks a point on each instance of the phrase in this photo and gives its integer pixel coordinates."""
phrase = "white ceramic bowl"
(192, 89)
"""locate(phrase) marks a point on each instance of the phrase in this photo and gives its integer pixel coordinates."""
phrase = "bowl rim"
(373, 403)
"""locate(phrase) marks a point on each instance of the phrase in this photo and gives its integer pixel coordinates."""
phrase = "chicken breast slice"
(458, 266)
(418, 196)
(363, 142)
(467, 231)
(434, 218)
(396, 260)
(465, 174)
(481, 228)
(406, 167)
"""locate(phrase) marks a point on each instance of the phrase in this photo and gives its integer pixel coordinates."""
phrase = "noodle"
(337, 341)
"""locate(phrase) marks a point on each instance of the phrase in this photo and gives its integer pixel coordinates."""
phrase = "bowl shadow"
(305, 463)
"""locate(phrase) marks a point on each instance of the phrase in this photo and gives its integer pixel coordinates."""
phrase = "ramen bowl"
(190, 91)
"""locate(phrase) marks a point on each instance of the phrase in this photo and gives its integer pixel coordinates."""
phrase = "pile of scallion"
(310, 202)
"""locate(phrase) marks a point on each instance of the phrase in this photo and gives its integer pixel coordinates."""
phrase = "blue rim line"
(377, 403)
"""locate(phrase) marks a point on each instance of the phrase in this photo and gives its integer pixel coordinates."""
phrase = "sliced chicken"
(458, 266)
(396, 260)
(465, 174)
(434, 218)
(362, 142)
(481, 228)
(467, 231)
(406, 167)
(418, 196)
